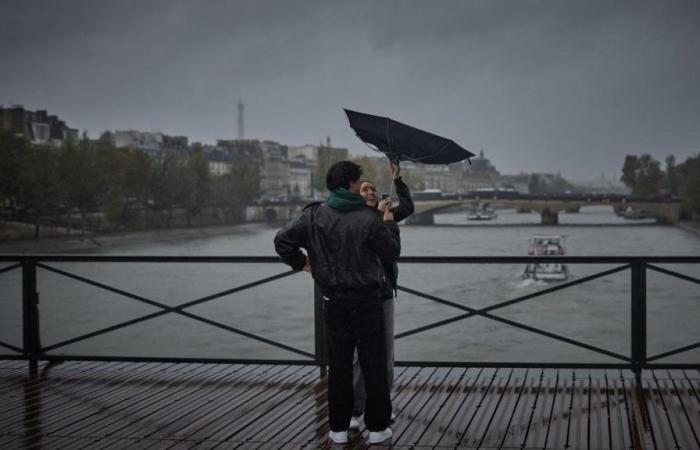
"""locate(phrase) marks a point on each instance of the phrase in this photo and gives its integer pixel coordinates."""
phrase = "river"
(597, 312)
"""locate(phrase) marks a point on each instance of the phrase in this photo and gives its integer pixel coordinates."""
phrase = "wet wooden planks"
(113, 405)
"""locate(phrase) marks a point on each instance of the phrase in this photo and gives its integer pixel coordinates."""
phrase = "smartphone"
(385, 195)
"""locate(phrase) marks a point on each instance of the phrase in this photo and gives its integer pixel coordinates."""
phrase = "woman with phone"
(404, 209)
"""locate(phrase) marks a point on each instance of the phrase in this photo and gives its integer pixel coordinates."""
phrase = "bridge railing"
(637, 359)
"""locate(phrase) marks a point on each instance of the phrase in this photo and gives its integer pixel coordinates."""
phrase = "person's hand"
(395, 170)
(384, 204)
(388, 215)
(307, 266)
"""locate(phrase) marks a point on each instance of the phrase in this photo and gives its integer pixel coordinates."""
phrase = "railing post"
(639, 318)
(30, 315)
(320, 349)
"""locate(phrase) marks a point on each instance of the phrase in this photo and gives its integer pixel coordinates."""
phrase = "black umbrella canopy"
(401, 142)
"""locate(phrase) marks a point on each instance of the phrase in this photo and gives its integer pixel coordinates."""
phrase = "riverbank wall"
(88, 243)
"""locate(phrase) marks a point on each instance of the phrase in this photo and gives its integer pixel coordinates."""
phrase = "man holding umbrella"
(346, 244)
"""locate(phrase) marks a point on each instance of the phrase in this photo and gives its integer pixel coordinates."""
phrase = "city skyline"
(541, 87)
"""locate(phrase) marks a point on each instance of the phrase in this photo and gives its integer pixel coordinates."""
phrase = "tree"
(81, 177)
(672, 179)
(196, 184)
(166, 185)
(128, 177)
(236, 189)
(535, 184)
(689, 184)
(325, 158)
(643, 175)
(38, 182)
(12, 150)
(629, 171)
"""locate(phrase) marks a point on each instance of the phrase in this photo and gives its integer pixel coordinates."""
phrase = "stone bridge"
(663, 210)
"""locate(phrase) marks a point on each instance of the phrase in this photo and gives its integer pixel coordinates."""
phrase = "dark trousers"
(350, 324)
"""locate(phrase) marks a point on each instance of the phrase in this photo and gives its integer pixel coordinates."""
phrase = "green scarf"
(344, 200)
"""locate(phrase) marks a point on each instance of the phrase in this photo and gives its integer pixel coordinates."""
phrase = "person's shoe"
(338, 437)
(355, 422)
(375, 437)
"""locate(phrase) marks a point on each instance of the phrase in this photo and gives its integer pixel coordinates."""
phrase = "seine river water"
(597, 312)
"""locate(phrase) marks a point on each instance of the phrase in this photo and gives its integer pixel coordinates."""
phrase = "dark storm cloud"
(540, 85)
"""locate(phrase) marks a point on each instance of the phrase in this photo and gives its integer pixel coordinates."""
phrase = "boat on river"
(546, 245)
(482, 213)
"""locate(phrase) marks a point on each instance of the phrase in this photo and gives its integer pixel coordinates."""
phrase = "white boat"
(633, 213)
(549, 245)
(482, 214)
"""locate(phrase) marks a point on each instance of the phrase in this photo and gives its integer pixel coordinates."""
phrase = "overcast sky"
(555, 86)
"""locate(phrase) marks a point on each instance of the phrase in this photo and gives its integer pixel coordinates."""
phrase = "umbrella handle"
(391, 186)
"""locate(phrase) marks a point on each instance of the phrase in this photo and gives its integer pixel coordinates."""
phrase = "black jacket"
(346, 249)
(404, 209)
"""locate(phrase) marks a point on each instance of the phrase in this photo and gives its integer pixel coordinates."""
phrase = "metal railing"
(33, 351)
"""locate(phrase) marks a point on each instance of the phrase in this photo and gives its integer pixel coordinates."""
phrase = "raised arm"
(405, 207)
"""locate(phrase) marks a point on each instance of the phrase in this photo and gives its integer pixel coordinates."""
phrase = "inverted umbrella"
(401, 142)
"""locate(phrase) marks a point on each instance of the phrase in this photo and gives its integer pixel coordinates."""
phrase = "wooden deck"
(114, 405)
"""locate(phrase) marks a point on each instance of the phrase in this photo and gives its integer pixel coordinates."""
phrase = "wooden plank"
(239, 399)
(168, 411)
(439, 412)
(538, 421)
(234, 429)
(282, 426)
(470, 395)
(663, 435)
(678, 413)
(139, 418)
(513, 430)
(244, 407)
(94, 409)
(558, 417)
(474, 431)
(237, 389)
(272, 423)
(60, 374)
(683, 399)
(137, 399)
(201, 400)
(417, 413)
(523, 417)
(46, 399)
(38, 394)
(12, 364)
(496, 419)
(92, 405)
(620, 434)
(599, 412)
(579, 412)
(661, 392)
(641, 433)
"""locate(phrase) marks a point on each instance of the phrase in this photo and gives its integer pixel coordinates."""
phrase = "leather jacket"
(346, 250)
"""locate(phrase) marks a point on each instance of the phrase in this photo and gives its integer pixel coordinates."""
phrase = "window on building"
(41, 131)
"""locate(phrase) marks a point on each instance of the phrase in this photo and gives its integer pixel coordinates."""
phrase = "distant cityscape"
(286, 172)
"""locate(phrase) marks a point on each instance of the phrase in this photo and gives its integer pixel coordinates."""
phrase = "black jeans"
(349, 324)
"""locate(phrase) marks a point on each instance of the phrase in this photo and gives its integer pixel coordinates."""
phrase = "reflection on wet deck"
(148, 405)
